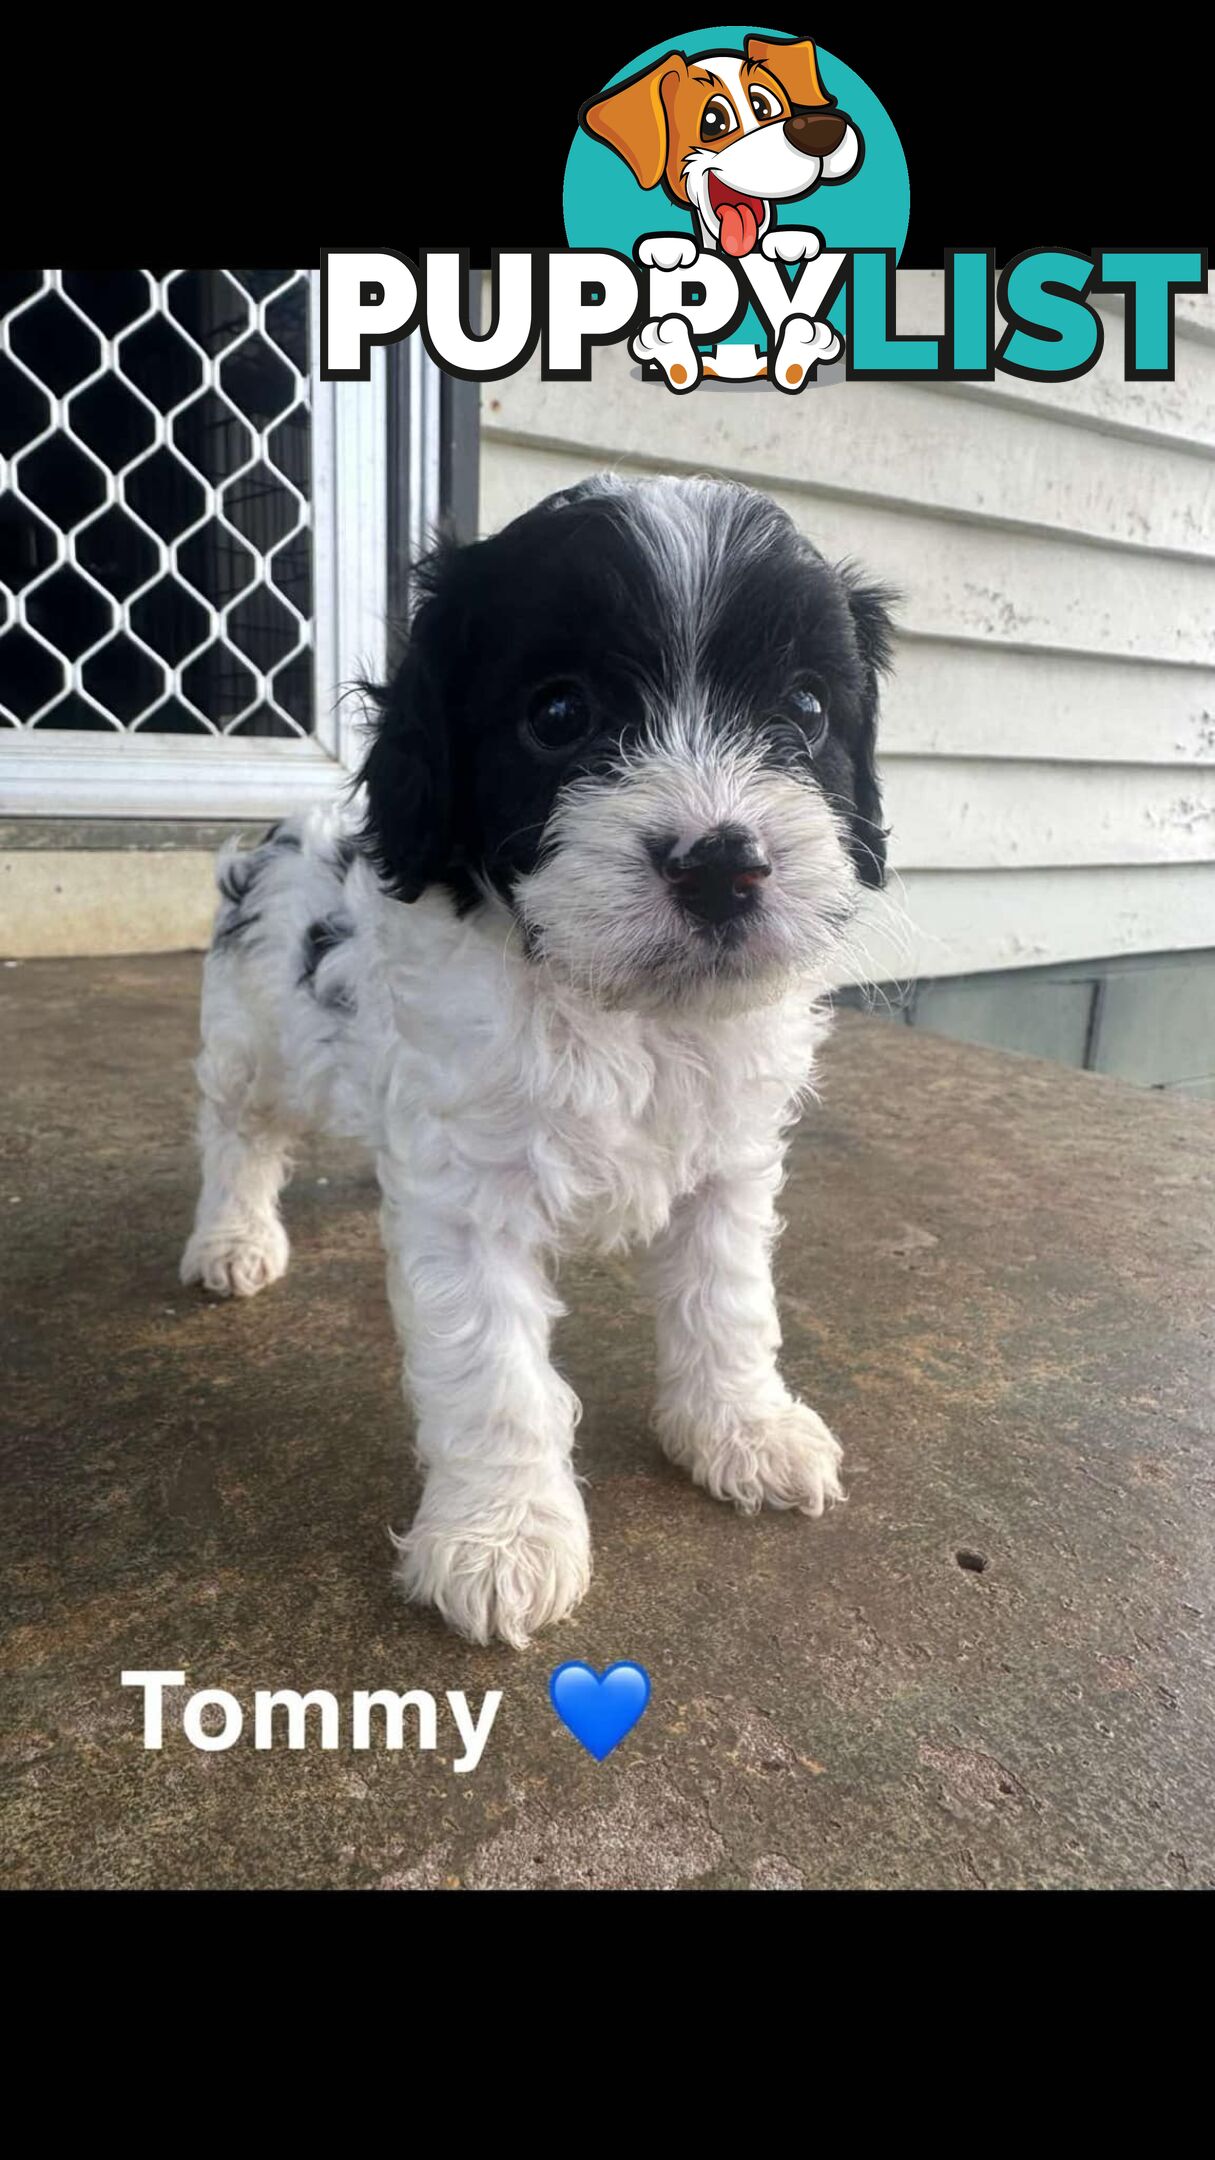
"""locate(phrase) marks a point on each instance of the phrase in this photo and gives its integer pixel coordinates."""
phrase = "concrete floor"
(996, 1282)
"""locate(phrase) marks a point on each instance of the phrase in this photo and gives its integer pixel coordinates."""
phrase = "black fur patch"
(233, 927)
(580, 590)
(237, 881)
(239, 876)
(321, 938)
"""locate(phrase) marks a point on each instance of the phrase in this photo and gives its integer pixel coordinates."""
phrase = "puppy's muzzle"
(816, 134)
(718, 879)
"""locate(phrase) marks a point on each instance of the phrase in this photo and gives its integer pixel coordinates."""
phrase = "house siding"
(1049, 735)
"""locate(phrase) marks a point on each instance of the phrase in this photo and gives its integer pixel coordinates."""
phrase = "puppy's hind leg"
(238, 1245)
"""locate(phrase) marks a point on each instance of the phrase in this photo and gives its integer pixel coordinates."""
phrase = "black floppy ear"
(407, 773)
(871, 619)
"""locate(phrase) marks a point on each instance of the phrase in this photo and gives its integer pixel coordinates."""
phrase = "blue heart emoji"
(599, 1708)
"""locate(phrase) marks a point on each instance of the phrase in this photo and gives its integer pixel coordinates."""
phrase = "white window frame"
(63, 773)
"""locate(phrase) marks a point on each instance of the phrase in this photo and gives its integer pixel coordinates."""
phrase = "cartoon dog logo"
(727, 135)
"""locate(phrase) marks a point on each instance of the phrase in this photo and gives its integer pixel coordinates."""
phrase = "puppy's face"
(730, 133)
(644, 717)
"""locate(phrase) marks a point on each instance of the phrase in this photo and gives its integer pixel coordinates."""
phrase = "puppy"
(727, 135)
(566, 977)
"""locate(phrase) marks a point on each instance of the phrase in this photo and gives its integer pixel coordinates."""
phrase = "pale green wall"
(1150, 1019)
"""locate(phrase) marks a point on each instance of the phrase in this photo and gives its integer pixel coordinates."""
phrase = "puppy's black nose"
(816, 134)
(718, 877)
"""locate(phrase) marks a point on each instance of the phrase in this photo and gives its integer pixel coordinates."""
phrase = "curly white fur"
(514, 1116)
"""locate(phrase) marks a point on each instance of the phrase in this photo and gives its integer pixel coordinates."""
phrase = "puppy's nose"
(719, 876)
(816, 134)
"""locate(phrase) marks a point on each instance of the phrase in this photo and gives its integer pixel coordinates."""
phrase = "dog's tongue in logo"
(738, 217)
(738, 228)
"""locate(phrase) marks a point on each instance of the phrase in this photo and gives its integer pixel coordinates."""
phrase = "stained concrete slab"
(997, 1283)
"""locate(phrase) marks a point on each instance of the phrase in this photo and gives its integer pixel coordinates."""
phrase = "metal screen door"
(200, 542)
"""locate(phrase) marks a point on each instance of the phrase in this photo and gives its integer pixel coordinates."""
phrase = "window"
(200, 543)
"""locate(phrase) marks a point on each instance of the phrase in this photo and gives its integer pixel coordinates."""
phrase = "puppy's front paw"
(667, 251)
(805, 346)
(498, 1569)
(236, 1261)
(667, 344)
(784, 1457)
(791, 244)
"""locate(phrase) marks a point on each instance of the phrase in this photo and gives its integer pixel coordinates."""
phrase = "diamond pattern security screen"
(156, 562)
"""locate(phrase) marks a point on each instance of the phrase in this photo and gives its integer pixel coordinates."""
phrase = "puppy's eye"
(764, 105)
(718, 118)
(807, 705)
(559, 719)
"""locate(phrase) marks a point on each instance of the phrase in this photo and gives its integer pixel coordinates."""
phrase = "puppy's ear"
(407, 773)
(794, 63)
(633, 119)
(871, 606)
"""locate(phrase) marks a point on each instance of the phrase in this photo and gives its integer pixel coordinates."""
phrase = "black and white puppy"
(564, 973)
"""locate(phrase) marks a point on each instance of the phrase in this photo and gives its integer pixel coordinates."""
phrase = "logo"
(736, 203)
(779, 158)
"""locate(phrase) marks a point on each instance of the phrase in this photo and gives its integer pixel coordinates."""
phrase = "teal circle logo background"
(605, 208)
